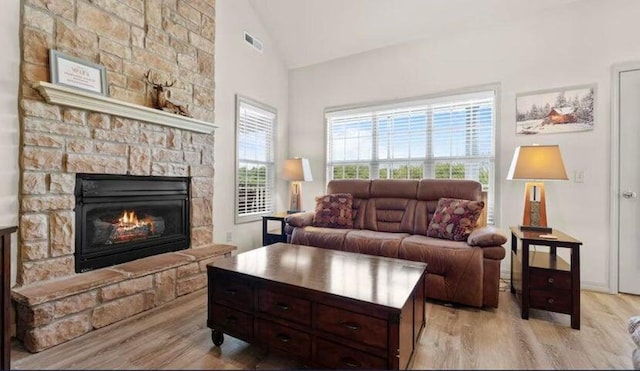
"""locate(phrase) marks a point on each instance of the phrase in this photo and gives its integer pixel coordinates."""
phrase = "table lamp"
(296, 170)
(535, 163)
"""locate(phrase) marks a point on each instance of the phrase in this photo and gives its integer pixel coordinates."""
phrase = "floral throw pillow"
(454, 219)
(334, 211)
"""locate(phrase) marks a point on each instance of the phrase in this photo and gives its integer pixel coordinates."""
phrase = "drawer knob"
(350, 362)
(550, 280)
(351, 326)
(550, 301)
(230, 291)
(283, 306)
(283, 338)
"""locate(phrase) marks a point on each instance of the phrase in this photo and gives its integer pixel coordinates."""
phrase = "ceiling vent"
(257, 44)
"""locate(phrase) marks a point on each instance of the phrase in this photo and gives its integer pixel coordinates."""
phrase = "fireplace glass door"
(122, 218)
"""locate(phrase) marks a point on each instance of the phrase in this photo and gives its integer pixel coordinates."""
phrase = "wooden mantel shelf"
(65, 96)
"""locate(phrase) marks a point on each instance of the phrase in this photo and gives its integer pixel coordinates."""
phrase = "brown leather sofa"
(391, 219)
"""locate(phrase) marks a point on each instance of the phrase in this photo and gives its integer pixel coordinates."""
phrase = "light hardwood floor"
(175, 336)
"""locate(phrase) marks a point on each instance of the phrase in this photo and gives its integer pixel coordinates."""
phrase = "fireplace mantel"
(65, 96)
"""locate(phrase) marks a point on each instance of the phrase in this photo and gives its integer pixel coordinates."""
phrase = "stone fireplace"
(66, 146)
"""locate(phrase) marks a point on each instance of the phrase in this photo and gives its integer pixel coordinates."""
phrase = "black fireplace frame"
(92, 189)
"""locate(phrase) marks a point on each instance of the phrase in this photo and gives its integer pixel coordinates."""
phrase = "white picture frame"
(77, 73)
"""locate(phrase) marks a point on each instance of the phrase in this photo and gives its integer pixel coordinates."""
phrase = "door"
(629, 204)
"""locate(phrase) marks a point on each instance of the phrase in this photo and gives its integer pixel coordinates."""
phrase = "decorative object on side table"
(77, 73)
(163, 95)
(296, 170)
(536, 162)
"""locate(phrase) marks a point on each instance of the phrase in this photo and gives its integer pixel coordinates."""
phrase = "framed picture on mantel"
(77, 73)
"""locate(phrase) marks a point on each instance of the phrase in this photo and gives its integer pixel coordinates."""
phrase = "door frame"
(614, 265)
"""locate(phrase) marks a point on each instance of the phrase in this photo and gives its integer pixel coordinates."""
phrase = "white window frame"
(270, 187)
(429, 161)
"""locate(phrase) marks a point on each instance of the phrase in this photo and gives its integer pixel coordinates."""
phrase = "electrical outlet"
(229, 236)
(579, 176)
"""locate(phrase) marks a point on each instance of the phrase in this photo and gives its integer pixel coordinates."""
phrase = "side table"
(272, 235)
(543, 280)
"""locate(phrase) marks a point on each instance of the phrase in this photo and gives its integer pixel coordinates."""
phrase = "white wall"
(572, 46)
(9, 127)
(240, 69)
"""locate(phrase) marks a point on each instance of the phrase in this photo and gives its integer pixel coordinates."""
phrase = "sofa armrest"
(486, 236)
(300, 219)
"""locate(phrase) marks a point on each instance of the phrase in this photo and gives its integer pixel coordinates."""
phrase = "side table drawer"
(284, 306)
(231, 321)
(285, 339)
(338, 356)
(549, 279)
(553, 300)
(353, 326)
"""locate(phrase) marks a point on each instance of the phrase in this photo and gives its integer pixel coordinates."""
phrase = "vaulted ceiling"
(313, 31)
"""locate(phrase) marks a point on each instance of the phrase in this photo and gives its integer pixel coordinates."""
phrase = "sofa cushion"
(393, 215)
(334, 211)
(454, 219)
(374, 243)
(435, 189)
(359, 188)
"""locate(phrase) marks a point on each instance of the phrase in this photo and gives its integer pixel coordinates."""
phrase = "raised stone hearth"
(60, 310)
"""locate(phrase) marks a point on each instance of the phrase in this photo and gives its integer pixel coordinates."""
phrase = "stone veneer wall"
(173, 38)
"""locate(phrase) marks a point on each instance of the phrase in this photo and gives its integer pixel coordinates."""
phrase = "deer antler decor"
(163, 95)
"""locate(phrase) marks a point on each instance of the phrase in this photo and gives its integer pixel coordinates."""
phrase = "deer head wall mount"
(163, 94)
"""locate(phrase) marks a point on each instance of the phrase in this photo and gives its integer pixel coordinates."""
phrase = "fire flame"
(128, 219)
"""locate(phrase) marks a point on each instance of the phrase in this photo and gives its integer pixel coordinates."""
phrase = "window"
(446, 137)
(255, 166)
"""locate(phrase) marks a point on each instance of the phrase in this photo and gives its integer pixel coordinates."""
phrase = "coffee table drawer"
(284, 306)
(231, 321)
(285, 339)
(338, 356)
(230, 291)
(353, 326)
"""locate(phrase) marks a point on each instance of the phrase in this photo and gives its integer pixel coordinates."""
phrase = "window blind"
(446, 137)
(255, 173)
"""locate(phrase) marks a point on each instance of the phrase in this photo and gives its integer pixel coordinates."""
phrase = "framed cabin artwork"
(553, 111)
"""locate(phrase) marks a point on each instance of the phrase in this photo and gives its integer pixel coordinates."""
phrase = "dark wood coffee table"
(328, 308)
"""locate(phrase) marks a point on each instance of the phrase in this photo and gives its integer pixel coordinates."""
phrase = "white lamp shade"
(297, 170)
(537, 162)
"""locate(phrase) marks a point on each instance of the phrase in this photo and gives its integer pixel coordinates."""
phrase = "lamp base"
(295, 197)
(535, 208)
(535, 228)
